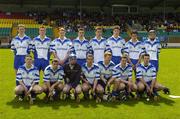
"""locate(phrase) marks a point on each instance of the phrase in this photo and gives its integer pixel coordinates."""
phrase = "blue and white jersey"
(134, 49)
(152, 48)
(106, 70)
(61, 47)
(148, 73)
(81, 47)
(27, 76)
(53, 75)
(122, 73)
(98, 46)
(91, 73)
(21, 46)
(117, 45)
(41, 48)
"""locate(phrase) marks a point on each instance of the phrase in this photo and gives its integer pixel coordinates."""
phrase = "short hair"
(21, 25)
(80, 29)
(98, 28)
(28, 55)
(146, 55)
(124, 57)
(42, 26)
(55, 60)
(61, 29)
(116, 27)
(134, 32)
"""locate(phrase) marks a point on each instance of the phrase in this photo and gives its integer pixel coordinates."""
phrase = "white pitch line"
(174, 96)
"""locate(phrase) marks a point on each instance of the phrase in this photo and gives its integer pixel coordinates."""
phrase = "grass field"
(166, 108)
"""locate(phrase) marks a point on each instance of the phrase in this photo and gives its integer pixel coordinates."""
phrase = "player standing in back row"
(98, 45)
(21, 46)
(152, 47)
(41, 49)
(116, 44)
(61, 47)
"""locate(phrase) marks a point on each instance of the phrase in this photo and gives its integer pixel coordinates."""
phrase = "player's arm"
(153, 80)
(20, 80)
(146, 85)
(25, 89)
(152, 85)
(94, 85)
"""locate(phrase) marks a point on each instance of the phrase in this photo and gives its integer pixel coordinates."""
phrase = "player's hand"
(147, 88)
(25, 91)
(28, 92)
(108, 84)
(151, 90)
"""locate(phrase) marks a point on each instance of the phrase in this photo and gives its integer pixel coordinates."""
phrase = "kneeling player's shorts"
(41, 64)
(116, 59)
(91, 85)
(148, 82)
(73, 85)
(155, 63)
(19, 60)
(102, 83)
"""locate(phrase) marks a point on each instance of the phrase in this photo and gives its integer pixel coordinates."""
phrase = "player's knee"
(85, 87)
(18, 90)
(100, 89)
(37, 89)
(66, 89)
(134, 87)
(141, 87)
(44, 88)
(78, 89)
(122, 86)
(60, 87)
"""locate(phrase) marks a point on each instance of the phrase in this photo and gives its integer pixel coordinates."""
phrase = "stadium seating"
(5, 29)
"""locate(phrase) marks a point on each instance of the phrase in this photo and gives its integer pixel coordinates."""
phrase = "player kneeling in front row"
(122, 77)
(146, 79)
(90, 76)
(106, 68)
(72, 71)
(28, 79)
(53, 80)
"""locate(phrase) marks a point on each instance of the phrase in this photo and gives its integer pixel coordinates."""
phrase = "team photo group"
(100, 69)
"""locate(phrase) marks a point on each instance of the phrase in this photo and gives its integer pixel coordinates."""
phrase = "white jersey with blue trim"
(152, 48)
(106, 70)
(61, 47)
(41, 47)
(148, 73)
(122, 73)
(98, 46)
(21, 46)
(134, 49)
(27, 76)
(53, 75)
(117, 45)
(81, 47)
(91, 73)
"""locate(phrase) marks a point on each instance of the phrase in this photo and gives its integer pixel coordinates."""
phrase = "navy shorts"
(102, 83)
(116, 59)
(134, 61)
(41, 64)
(155, 63)
(81, 61)
(19, 60)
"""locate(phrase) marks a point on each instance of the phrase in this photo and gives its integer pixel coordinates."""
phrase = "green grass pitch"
(166, 108)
